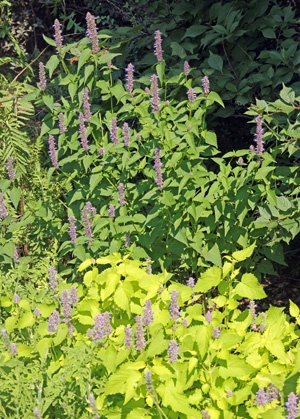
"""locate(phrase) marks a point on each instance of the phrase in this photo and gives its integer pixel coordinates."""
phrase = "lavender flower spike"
(72, 229)
(106, 323)
(173, 351)
(3, 209)
(216, 334)
(66, 307)
(111, 211)
(128, 337)
(126, 134)
(129, 77)
(52, 278)
(87, 211)
(61, 123)
(86, 105)
(93, 406)
(5, 338)
(127, 240)
(53, 322)
(73, 296)
(52, 152)
(114, 130)
(191, 282)
(92, 32)
(291, 406)
(16, 299)
(121, 195)
(82, 133)
(149, 384)
(42, 77)
(10, 169)
(174, 307)
(13, 349)
(98, 327)
(140, 338)
(259, 136)
(261, 397)
(191, 95)
(37, 312)
(186, 68)
(155, 96)
(58, 36)
(37, 413)
(147, 313)
(158, 172)
(205, 85)
(158, 52)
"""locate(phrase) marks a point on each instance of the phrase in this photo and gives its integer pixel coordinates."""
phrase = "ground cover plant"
(133, 183)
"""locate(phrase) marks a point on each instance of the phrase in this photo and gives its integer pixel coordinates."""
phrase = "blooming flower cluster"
(86, 105)
(127, 240)
(292, 406)
(82, 133)
(16, 299)
(126, 134)
(3, 209)
(149, 383)
(205, 85)
(158, 52)
(252, 307)
(186, 68)
(102, 326)
(173, 351)
(114, 130)
(121, 195)
(217, 332)
(128, 337)
(174, 307)
(72, 229)
(52, 278)
(61, 123)
(87, 212)
(129, 77)
(93, 406)
(140, 338)
(147, 313)
(191, 95)
(259, 137)
(42, 77)
(53, 152)
(111, 211)
(191, 282)
(58, 36)
(16, 254)
(10, 169)
(155, 96)
(53, 322)
(92, 32)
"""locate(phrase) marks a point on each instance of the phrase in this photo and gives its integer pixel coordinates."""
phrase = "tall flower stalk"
(3, 209)
(82, 133)
(158, 172)
(86, 105)
(259, 137)
(10, 169)
(58, 36)
(92, 32)
(42, 77)
(155, 97)
(129, 77)
(114, 130)
(158, 52)
(53, 152)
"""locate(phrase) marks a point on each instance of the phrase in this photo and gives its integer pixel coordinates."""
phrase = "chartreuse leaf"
(24, 350)
(294, 309)
(244, 254)
(61, 334)
(10, 323)
(111, 285)
(46, 309)
(86, 264)
(250, 288)
(90, 276)
(236, 368)
(111, 259)
(121, 298)
(209, 279)
(43, 346)
(118, 382)
(26, 320)
(177, 401)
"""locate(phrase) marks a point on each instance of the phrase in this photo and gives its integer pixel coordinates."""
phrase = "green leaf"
(49, 41)
(105, 58)
(209, 279)
(244, 254)
(121, 299)
(215, 61)
(250, 288)
(194, 31)
(26, 320)
(62, 332)
(86, 264)
(43, 346)
(177, 50)
(15, 195)
(294, 309)
(213, 255)
(171, 397)
(24, 350)
(46, 309)
(72, 89)
(216, 98)
(84, 56)
(10, 323)
(52, 64)
(48, 101)
(25, 305)
(236, 368)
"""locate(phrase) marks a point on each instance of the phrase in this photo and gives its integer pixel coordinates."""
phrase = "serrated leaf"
(244, 254)
(209, 279)
(84, 56)
(250, 288)
(26, 320)
(121, 298)
(215, 61)
(52, 64)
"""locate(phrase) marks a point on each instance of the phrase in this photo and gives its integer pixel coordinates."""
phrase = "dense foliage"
(124, 177)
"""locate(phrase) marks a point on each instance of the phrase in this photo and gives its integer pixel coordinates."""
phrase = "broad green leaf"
(52, 64)
(15, 195)
(111, 285)
(46, 309)
(86, 320)
(236, 368)
(110, 260)
(84, 56)
(250, 288)
(172, 398)
(26, 320)
(49, 41)
(244, 254)
(86, 264)
(43, 346)
(24, 350)
(216, 98)
(48, 101)
(61, 334)
(10, 323)
(25, 305)
(209, 279)
(294, 309)
(215, 61)
(121, 299)
(213, 255)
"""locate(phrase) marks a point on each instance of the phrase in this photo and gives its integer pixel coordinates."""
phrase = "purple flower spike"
(72, 229)
(101, 151)
(129, 77)
(114, 130)
(252, 149)
(58, 36)
(128, 337)
(191, 95)
(229, 393)
(208, 317)
(37, 312)
(121, 195)
(82, 133)
(205, 85)
(92, 32)
(174, 307)
(37, 413)
(71, 329)
(53, 152)
(10, 169)
(191, 282)
(16, 299)
(261, 397)
(259, 137)
(3, 209)
(158, 52)
(149, 266)
(13, 349)
(93, 406)
(149, 383)
(155, 96)
(66, 306)
(126, 134)
(186, 68)
(173, 351)
(61, 123)
(205, 414)
(16, 254)
(5, 338)
(106, 323)
(127, 240)
(52, 278)
(147, 91)
(73, 296)
(111, 211)
(147, 313)
(87, 212)
(158, 172)
(86, 105)
(90, 333)
(98, 327)
(53, 322)
(216, 334)
(140, 338)
(184, 323)
(42, 77)
(291, 406)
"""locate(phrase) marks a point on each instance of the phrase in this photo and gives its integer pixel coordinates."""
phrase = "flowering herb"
(16, 299)
(259, 137)
(82, 133)
(92, 32)
(53, 152)
(147, 313)
(155, 96)
(5, 338)
(58, 36)
(127, 240)
(61, 123)
(10, 169)
(114, 130)
(73, 296)
(53, 322)
(186, 68)
(139, 334)
(129, 77)
(52, 278)
(86, 105)
(87, 212)
(191, 282)
(42, 77)
(106, 323)
(37, 312)
(217, 332)
(173, 351)
(3, 209)
(157, 167)
(292, 406)
(158, 52)
(191, 95)
(126, 134)
(66, 306)
(128, 337)
(101, 151)
(208, 316)
(174, 307)
(98, 327)
(93, 406)
(205, 85)
(149, 266)
(16, 254)
(72, 229)
(121, 195)
(37, 413)
(111, 211)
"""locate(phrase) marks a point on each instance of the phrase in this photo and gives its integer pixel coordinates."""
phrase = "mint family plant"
(134, 166)
(124, 343)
